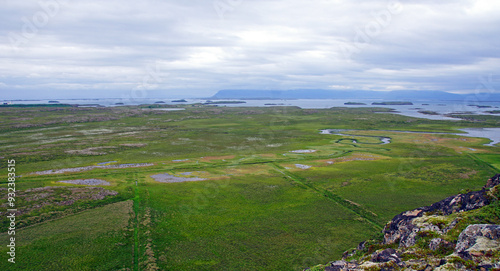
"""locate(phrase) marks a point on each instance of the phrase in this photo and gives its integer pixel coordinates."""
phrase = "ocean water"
(440, 107)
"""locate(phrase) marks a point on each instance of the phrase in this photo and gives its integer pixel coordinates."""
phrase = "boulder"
(361, 246)
(341, 266)
(494, 181)
(386, 255)
(478, 239)
(337, 266)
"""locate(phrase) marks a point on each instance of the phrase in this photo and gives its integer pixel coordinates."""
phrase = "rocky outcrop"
(341, 266)
(479, 239)
(426, 238)
(494, 181)
(401, 228)
(386, 255)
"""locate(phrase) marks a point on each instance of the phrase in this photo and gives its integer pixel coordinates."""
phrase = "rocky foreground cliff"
(461, 232)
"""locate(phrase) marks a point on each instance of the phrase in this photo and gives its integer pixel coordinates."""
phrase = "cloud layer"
(64, 49)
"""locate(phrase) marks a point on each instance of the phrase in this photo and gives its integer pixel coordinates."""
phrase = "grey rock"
(342, 266)
(401, 228)
(361, 246)
(451, 226)
(479, 238)
(435, 243)
(438, 243)
(348, 253)
(337, 266)
(494, 181)
(386, 255)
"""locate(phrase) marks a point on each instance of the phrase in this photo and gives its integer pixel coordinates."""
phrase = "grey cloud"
(108, 46)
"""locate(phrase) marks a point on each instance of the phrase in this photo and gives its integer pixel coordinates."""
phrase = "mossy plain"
(257, 210)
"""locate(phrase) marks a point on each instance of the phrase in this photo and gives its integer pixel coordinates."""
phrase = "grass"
(96, 239)
(257, 210)
(378, 185)
(491, 159)
(250, 222)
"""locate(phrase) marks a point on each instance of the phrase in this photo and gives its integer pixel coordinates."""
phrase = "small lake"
(492, 134)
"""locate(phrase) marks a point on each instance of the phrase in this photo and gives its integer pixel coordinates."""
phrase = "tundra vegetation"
(248, 206)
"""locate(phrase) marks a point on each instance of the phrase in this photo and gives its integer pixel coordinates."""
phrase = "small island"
(159, 102)
(393, 103)
(179, 101)
(36, 105)
(428, 112)
(225, 102)
(354, 103)
(481, 106)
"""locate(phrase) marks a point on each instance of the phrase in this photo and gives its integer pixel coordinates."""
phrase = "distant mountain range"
(354, 94)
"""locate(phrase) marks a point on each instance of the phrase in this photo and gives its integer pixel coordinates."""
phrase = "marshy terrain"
(223, 188)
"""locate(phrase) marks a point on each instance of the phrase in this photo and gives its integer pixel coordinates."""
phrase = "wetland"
(225, 188)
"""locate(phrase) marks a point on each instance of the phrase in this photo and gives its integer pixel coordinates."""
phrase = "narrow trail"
(359, 211)
(136, 225)
(482, 162)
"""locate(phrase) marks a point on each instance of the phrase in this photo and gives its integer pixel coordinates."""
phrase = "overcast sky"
(153, 48)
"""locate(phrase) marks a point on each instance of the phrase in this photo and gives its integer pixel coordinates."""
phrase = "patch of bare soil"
(80, 169)
(167, 178)
(90, 151)
(135, 145)
(86, 182)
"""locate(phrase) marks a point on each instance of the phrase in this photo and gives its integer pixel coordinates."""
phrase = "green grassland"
(95, 239)
(261, 207)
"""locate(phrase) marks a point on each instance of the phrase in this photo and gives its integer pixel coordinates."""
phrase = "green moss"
(469, 264)
(318, 268)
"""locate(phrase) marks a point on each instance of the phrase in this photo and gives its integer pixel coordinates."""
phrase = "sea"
(440, 107)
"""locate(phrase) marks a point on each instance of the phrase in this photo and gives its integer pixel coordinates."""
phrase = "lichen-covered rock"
(386, 255)
(450, 267)
(435, 243)
(494, 181)
(416, 264)
(403, 229)
(479, 238)
(341, 266)
(426, 235)
(349, 253)
(387, 266)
